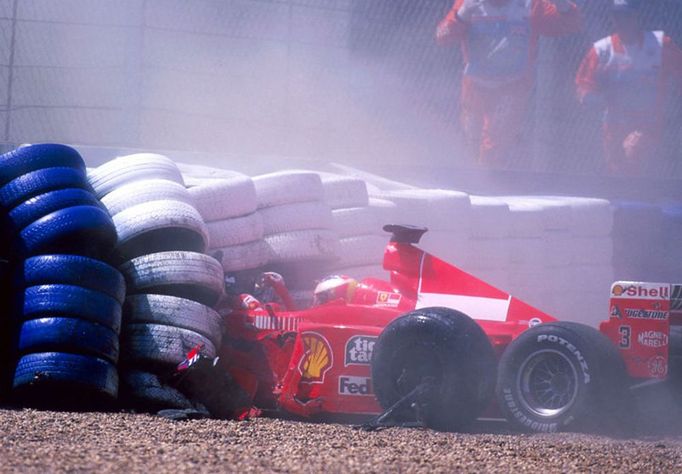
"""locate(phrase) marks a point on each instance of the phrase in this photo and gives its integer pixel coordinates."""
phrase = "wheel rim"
(547, 383)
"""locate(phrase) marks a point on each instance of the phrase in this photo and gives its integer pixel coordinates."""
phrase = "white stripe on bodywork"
(477, 307)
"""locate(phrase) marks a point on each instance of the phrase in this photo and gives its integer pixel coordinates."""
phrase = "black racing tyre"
(41, 181)
(35, 157)
(675, 354)
(442, 344)
(81, 230)
(56, 378)
(41, 205)
(71, 301)
(76, 336)
(72, 270)
(562, 376)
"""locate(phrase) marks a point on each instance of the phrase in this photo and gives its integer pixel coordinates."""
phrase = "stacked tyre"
(229, 208)
(171, 284)
(358, 226)
(446, 213)
(68, 300)
(298, 229)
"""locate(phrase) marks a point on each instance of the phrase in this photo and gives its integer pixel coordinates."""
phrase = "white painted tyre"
(356, 221)
(286, 187)
(450, 246)
(386, 211)
(592, 250)
(296, 216)
(235, 231)
(301, 245)
(527, 219)
(188, 274)
(344, 191)
(360, 272)
(361, 250)
(528, 251)
(127, 169)
(487, 254)
(247, 256)
(590, 217)
(225, 198)
(201, 172)
(490, 218)
(158, 226)
(174, 311)
(146, 190)
(436, 209)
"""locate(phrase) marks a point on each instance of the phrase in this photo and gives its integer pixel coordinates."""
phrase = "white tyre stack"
(228, 205)
(358, 225)
(298, 228)
(489, 255)
(584, 288)
(446, 213)
(171, 285)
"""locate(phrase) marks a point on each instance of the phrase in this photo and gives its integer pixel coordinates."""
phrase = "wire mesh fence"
(348, 80)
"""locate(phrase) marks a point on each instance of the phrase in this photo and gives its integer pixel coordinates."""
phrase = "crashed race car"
(439, 347)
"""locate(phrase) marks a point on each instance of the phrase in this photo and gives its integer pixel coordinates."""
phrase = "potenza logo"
(317, 358)
(355, 386)
(653, 339)
(359, 350)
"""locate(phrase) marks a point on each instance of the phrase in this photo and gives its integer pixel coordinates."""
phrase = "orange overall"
(633, 82)
(500, 45)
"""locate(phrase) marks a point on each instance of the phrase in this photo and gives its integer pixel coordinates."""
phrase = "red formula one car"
(437, 346)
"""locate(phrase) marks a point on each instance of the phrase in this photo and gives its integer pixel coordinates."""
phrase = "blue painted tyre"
(80, 230)
(72, 270)
(35, 157)
(73, 302)
(75, 336)
(41, 181)
(39, 206)
(43, 376)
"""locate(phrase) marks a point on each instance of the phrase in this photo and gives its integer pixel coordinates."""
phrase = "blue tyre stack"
(66, 299)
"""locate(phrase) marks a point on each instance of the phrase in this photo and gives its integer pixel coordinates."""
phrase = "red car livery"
(442, 347)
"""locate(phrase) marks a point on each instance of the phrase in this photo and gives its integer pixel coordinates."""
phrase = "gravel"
(45, 441)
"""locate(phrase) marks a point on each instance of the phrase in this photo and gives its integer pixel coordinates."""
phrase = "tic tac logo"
(653, 339)
(359, 350)
(350, 385)
(643, 291)
(317, 359)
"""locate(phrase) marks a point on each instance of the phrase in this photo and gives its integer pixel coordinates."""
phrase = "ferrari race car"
(438, 347)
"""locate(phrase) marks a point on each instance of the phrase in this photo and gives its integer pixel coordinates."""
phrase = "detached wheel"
(562, 376)
(442, 345)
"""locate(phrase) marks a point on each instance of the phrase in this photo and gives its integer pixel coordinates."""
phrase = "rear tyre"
(442, 344)
(562, 376)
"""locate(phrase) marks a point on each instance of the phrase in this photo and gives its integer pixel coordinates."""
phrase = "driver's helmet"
(334, 287)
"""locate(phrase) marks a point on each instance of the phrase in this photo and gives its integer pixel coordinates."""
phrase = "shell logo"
(317, 359)
(618, 290)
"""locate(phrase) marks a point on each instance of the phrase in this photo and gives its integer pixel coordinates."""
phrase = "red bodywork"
(317, 360)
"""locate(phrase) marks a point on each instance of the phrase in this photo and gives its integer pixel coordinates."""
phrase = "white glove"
(562, 5)
(468, 8)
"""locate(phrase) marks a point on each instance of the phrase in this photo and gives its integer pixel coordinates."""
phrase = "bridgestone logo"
(522, 418)
(572, 349)
(645, 314)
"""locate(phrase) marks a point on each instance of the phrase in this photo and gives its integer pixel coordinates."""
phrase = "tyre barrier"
(68, 301)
